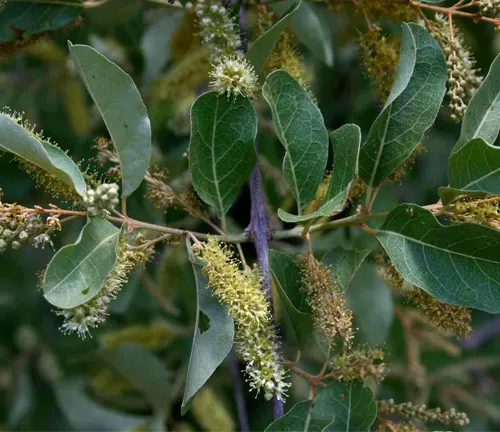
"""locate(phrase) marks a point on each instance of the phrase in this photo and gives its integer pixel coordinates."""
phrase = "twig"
(238, 393)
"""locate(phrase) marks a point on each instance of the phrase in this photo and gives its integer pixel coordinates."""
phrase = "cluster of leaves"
(447, 251)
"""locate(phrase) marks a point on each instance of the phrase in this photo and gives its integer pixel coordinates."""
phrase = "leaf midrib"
(212, 153)
(84, 260)
(436, 247)
(381, 147)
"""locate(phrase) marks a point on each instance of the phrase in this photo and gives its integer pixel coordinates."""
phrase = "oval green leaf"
(345, 145)
(211, 347)
(344, 264)
(482, 117)
(15, 139)
(221, 151)
(77, 271)
(262, 47)
(458, 264)
(300, 128)
(122, 110)
(411, 108)
(475, 167)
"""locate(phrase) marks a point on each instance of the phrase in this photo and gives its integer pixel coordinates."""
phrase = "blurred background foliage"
(49, 381)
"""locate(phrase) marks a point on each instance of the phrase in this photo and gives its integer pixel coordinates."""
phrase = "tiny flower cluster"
(218, 31)
(359, 365)
(18, 225)
(484, 211)
(327, 302)
(445, 316)
(82, 318)
(489, 8)
(235, 76)
(256, 339)
(463, 78)
(103, 199)
(421, 412)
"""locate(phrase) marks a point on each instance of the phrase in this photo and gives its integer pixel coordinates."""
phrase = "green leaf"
(221, 151)
(300, 128)
(449, 195)
(338, 407)
(262, 47)
(370, 300)
(344, 264)
(211, 347)
(475, 167)
(83, 414)
(313, 31)
(345, 145)
(411, 108)
(15, 139)
(155, 44)
(18, 18)
(77, 271)
(144, 371)
(353, 406)
(121, 108)
(482, 117)
(458, 264)
(288, 276)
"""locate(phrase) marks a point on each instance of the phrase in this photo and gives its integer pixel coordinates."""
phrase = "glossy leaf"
(15, 139)
(300, 128)
(121, 108)
(475, 167)
(337, 408)
(345, 145)
(344, 264)
(370, 300)
(412, 106)
(83, 414)
(144, 371)
(311, 30)
(353, 405)
(77, 271)
(26, 19)
(482, 117)
(458, 264)
(211, 347)
(287, 276)
(262, 47)
(221, 151)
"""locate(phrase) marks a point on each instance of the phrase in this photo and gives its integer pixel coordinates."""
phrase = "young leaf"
(411, 108)
(211, 347)
(482, 117)
(449, 195)
(475, 167)
(352, 404)
(345, 144)
(311, 30)
(15, 139)
(300, 128)
(287, 276)
(221, 151)
(30, 18)
(344, 264)
(121, 108)
(144, 371)
(262, 47)
(338, 407)
(458, 264)
(83, 414)
(77, 271)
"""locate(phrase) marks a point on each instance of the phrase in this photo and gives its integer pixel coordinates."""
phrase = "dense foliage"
(255, 215)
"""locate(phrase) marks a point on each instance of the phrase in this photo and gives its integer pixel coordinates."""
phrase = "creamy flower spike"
(235, 76)
(256, 340)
